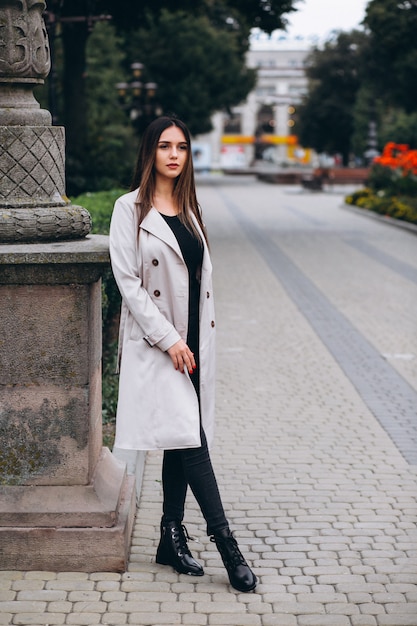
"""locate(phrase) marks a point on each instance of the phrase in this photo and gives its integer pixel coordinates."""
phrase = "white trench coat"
(157, 405)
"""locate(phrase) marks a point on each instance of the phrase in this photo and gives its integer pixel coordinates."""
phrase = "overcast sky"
(320, 17)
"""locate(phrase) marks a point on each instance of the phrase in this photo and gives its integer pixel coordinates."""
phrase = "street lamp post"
(138, 98)
(372, 143)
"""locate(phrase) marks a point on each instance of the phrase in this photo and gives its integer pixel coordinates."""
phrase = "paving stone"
(89, 606)
(60, 607)
(299, 608)
(83, 619)
(29, 619)
(176, 607)
(372, 608)
(323, 620)
(224, 620)
(105, 576)
(219, 607)
(410, 607)
(70, 585)
(113, 596)
(46, 595)
(19, 606)
(363, 620)
(84, 596)
(279, 620)
(195, 620)
(114, 619)
(401, 619)
(31, 584)
(154, 619)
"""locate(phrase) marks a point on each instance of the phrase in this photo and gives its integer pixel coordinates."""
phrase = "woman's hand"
(182, 357)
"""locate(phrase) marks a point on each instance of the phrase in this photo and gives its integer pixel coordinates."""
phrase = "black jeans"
(192, 466)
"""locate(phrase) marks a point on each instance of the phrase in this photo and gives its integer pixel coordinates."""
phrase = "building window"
(232, 124)
(266, 119)
(265, 91)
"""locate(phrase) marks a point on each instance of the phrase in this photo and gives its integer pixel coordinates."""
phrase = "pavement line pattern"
(387, 395)
(404, 269)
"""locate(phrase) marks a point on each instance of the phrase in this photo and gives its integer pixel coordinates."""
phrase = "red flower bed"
(398, 156)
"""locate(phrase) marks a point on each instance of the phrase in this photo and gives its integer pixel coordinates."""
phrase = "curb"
(384, 219)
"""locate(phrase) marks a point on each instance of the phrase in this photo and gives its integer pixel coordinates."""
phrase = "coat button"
(213, 323)
(208, 294)
(155, 262)
(156, 293)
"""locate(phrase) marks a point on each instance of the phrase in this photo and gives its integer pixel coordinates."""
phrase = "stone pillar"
(33, 205)
(66, 503)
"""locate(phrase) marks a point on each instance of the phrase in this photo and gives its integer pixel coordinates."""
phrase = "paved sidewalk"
(316, 444)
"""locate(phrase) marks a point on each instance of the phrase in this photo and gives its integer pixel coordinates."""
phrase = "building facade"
(264, 127)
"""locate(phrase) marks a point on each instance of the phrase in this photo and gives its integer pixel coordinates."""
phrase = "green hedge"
(399, 207)
(100, 206)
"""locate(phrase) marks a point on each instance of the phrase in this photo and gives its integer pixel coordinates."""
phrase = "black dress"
(192, 250)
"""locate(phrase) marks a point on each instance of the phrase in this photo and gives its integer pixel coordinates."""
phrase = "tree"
(197, 67)
(392, 52)
(326, 119)
(268, 15)
(399, 127)
(367, 110)
(110, 141)
(73, 21)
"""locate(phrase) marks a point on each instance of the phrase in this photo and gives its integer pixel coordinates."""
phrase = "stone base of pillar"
(84, 528)
(66, 503)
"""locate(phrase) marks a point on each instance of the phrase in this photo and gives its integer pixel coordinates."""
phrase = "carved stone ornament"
(33, 204)
(24, 47)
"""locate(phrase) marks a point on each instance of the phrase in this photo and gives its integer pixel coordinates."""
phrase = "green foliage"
(199, 69)
(100, 206)
(111, 143)
(365, 109)
(392, 51)
(398, 126)
(326, 120)
(239, 14)
(398, 207)
(392, 181)
(375, 79)
(110, 390)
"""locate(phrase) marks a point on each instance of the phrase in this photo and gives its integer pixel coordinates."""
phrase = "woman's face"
(171, 153)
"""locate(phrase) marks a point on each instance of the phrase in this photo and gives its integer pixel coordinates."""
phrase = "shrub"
(400, 208)
(392, 187)
(100, 206)
(395, 171)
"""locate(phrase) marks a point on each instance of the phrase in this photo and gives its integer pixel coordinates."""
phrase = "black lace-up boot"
(240, 575)
(173, 550)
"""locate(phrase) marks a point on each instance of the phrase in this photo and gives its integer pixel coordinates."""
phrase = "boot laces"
(180, 537)
(229, 550)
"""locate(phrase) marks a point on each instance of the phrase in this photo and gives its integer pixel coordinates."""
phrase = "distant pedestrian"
(162, 266)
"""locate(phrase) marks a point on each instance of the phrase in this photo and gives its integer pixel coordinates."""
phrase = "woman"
(161, 263)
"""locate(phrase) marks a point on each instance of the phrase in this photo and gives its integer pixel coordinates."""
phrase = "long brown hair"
(184, 186)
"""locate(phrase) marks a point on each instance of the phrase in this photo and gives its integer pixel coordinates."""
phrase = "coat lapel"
(155, 224)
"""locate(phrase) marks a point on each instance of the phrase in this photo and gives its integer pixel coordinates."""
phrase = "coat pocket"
(135, 332)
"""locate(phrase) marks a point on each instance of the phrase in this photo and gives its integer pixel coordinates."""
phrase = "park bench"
(335, 176)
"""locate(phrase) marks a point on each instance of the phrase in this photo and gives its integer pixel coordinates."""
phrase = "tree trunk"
(74, 40)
